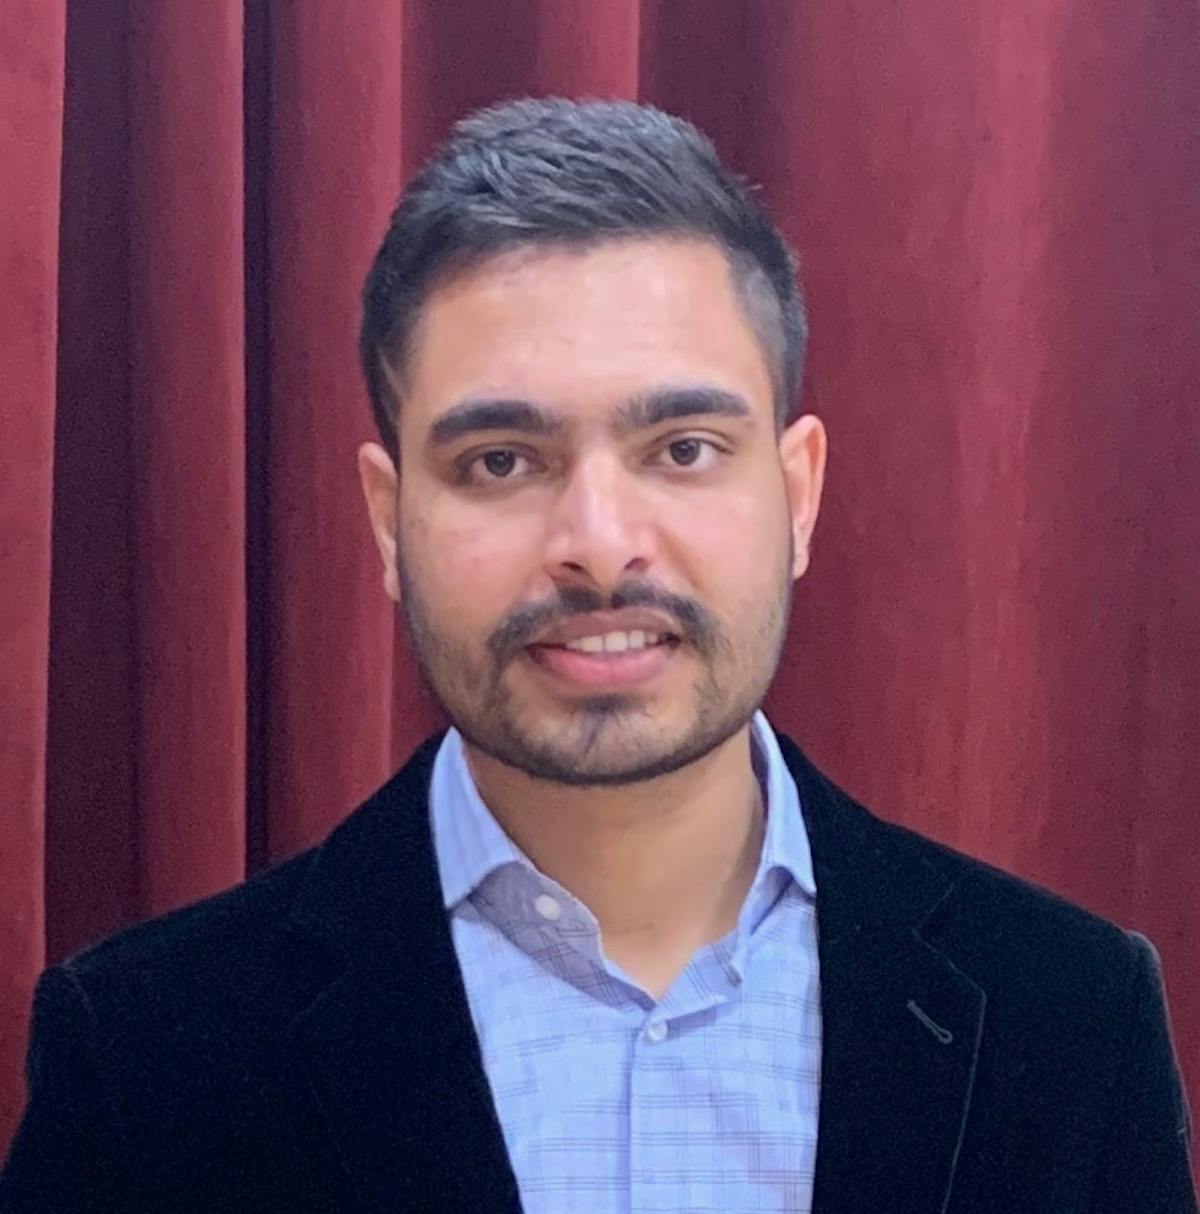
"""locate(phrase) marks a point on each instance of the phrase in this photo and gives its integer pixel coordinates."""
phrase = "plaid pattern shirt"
(611, 1102)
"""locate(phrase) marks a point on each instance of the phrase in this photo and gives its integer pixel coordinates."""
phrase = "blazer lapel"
(901, 1024)
(388, 1046)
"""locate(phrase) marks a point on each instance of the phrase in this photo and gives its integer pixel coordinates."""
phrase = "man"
(609, 944)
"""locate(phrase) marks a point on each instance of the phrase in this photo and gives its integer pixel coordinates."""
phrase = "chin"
(609, 748)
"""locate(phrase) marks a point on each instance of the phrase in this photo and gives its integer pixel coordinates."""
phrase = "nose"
(600, 528)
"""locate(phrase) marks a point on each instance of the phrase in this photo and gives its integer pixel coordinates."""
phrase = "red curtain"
(997, 204)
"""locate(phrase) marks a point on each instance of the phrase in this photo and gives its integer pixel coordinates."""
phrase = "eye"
(498, 464)
(696, 453)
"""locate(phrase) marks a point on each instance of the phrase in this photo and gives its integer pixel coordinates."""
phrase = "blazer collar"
(389, 1046)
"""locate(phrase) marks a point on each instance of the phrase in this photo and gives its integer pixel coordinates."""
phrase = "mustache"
(692, 622)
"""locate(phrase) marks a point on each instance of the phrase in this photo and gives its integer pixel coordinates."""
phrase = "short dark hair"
(572, 173)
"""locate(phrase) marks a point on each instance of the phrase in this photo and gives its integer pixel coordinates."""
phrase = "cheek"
(474, 568)
(734, 550)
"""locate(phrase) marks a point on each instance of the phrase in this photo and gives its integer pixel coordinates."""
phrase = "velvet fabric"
(998, 212)
(305, 1042)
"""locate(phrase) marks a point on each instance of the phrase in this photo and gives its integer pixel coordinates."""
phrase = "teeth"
(615, 642)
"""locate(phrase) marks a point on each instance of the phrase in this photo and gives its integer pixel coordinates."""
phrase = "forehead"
(584, 328)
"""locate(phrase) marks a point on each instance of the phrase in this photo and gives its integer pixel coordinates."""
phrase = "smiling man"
(609, 944)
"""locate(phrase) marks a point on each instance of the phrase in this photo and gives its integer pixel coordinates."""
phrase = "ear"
(378, 476)
(802, 451)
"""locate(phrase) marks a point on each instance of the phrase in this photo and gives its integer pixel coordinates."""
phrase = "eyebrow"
(642, 412)
(475, 416)
(678, 404)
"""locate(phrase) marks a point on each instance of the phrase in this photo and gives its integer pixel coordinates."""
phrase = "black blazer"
(303, 1042)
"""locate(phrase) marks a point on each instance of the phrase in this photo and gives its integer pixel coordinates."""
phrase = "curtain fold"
(186, 404)
(332, 177)
(997, 207)
(31, 67)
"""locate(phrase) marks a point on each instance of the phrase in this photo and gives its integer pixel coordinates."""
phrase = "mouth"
(609, 661)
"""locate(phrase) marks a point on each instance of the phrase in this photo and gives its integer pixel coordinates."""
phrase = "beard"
(604, 740)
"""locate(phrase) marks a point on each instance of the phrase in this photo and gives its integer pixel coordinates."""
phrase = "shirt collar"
(470, 844)
(785, 843)
(786, 856)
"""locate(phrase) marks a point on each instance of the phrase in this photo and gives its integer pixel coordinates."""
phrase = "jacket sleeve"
(1146, 1164)
(67, 1155)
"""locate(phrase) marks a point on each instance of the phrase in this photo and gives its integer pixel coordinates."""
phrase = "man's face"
(597, 525)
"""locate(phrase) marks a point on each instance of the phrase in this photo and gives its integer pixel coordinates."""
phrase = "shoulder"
(216, 962)
(1068, 993)
(1004, 906)
(1041, 957)
(241, 963)
(253, 906)
(999, 927)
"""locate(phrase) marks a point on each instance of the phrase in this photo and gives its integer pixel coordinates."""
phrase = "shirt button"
(657, 1031)
(547, 907)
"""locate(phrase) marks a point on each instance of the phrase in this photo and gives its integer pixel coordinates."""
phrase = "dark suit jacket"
(304, 1043)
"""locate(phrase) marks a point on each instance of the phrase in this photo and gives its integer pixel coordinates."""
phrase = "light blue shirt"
(611, 1102)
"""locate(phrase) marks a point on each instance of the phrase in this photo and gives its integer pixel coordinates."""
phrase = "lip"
(597, 623)
(604, 671)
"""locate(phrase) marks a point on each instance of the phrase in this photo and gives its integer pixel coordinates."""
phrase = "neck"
(663, 865)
